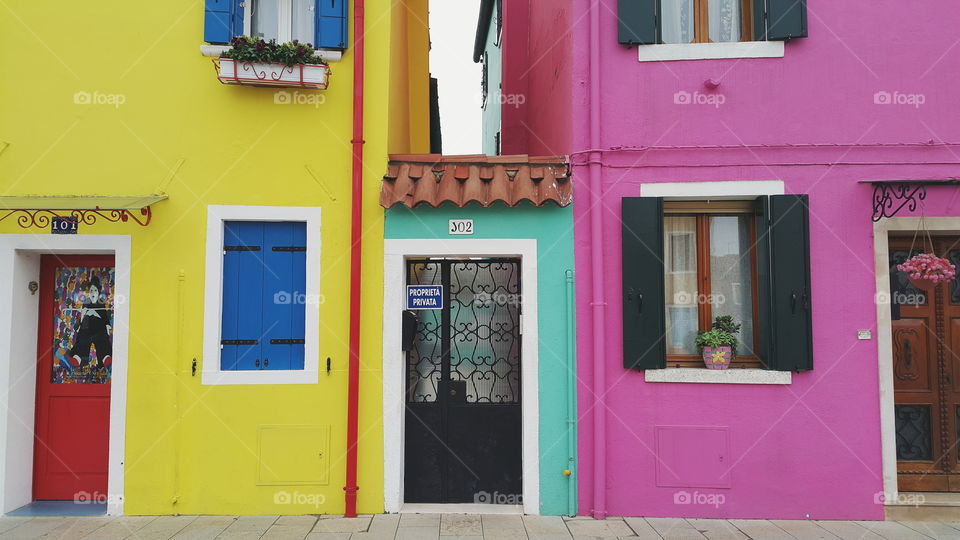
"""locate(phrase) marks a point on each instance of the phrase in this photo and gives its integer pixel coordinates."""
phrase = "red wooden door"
(74, 364)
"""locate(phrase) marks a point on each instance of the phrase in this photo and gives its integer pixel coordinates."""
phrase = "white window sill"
(718, 376)
(259, 377)
(710, 51)
(216, 50)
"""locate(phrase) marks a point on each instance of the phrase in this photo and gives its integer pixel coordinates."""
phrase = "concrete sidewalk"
(474, 527)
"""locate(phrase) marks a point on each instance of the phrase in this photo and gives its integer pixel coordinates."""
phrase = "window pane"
(680, 252)
(301, 28)
(731, 275)
(725, 20)
(677, 21)
(264, 20)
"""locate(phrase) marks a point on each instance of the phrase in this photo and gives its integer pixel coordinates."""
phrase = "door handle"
(639, 304)
(793, 302)
(266, 362)
(256, 363)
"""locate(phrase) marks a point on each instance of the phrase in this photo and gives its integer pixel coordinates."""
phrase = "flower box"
(230, 71)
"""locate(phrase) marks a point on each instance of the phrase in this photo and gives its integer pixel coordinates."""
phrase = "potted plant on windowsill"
(926, 270)
(718, 346)
(255, 62)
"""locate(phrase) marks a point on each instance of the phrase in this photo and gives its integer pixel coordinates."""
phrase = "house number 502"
(461, 226)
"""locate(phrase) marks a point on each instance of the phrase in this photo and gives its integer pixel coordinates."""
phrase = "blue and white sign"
(424, 296)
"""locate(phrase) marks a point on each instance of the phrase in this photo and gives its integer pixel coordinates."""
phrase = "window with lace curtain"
(705, 21)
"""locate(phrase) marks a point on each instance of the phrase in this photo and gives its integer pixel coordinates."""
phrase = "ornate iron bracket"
(27, 218)
(890, 198)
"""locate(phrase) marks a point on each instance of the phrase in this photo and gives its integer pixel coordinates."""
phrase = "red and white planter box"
(230, 71)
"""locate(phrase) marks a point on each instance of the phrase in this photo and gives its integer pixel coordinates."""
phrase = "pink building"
(748, 158)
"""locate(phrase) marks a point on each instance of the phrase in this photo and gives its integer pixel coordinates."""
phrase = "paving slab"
(503, 526)
(849, 530)
(892, 530)
(342, 525)
(248, 528)
(34, 528)
(803, 529)
(675, 529)
(205, 528)
(760, 529)
(121, 527)
(933, 529)
(641, 528)
(420, 520)
(9, 522)
(418, 533)
(290, 527)
(718, 529)
(382, 527)
(598, 528)
(329, 536)
(546, 528)
(460, 525)
(163, 528)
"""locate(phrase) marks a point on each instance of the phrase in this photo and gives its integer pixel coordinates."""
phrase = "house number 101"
(461, 226)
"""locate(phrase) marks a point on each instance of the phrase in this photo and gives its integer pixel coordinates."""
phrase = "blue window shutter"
(780, 19)
(240, 327)
(637, 22)
(331, 24)
(222, 20)
(284, 292)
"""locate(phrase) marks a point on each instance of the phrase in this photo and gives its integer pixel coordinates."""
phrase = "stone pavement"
(450, 526)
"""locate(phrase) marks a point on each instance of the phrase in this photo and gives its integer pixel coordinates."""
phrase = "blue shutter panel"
(283, 297)
(243, 271)
(644, 318)
(222, 20)
(331, 24)
(780, 19)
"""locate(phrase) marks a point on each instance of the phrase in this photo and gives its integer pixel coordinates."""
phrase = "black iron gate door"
(463, 438)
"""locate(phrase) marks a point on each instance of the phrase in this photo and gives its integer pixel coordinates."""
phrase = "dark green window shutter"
(643, 297)
(779, 19)
(783, 274)
(637, 21)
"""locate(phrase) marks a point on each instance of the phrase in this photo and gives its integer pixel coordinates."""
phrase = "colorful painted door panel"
(75, 339)
(463, 421)
(926, 332)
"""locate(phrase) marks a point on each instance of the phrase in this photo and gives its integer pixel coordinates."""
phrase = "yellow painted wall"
(192, 448)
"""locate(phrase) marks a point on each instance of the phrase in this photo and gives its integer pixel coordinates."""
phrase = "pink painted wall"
(536, 77)
(811, 449)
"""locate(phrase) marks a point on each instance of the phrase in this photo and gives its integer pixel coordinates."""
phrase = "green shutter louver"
(644, 345)
(779, 19)
(637, 22)
(783, 274)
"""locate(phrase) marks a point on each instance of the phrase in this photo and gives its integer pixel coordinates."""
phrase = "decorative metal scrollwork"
(890, 198)
(27, 218)
(913, 432)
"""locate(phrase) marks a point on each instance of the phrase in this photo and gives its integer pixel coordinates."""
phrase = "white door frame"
(881, 249)
(20, 264)
(396, 252)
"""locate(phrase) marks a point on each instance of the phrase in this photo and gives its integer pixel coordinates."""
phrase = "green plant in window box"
(718, 346)
(256, 50)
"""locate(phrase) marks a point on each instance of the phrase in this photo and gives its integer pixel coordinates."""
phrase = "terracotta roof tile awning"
(434, 180)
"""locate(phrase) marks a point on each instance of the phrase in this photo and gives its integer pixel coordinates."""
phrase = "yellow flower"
(718, 357)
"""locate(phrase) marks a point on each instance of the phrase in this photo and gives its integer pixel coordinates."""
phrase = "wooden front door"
(926, 370)
(74, 365)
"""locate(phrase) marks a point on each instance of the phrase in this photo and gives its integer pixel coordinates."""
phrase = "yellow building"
(117, 346)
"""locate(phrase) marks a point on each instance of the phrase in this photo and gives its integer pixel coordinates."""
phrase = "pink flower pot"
(717, 357)
(922, 283)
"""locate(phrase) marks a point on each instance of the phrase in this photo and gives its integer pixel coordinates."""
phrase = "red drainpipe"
(356, 233)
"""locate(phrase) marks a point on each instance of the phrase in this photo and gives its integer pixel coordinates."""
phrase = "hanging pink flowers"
(927, 270)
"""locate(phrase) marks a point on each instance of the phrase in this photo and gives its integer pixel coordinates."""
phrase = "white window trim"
(213, 295)
(667, 52)
(718, 376)
(737, 189)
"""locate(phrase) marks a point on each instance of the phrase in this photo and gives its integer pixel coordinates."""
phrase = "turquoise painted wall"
(552, 227)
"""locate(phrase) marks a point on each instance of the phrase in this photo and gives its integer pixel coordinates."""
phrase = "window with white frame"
(322, 23)
(262, 303)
